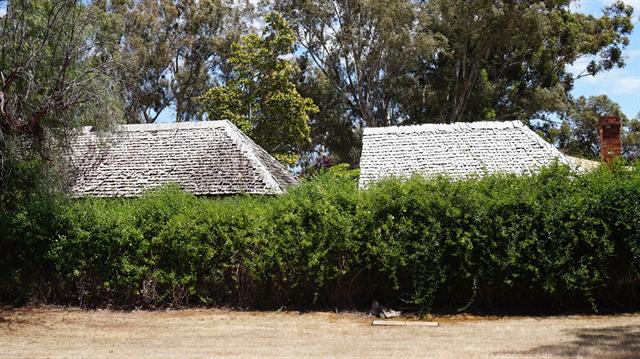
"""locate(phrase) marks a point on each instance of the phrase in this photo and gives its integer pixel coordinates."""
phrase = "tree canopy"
(169, 50)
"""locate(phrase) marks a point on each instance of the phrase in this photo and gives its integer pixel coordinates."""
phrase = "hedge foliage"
(556, 240)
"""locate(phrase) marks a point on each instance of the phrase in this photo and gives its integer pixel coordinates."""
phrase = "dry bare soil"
(68, 333)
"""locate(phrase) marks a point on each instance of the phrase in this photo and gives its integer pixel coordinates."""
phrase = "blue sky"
(621, 85)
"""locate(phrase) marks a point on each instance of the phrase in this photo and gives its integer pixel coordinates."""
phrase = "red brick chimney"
(610, 143)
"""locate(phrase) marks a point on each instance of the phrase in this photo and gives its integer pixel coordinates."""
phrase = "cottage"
(209, 158)
(456, 150)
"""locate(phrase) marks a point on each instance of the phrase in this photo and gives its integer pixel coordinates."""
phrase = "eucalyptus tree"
(172, 51)
(366, 49)
(335, 137)
(631, 139)
(455, 60)
(578, 134)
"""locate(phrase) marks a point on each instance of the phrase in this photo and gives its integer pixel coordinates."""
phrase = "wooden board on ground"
(411, 323)
(404, 323)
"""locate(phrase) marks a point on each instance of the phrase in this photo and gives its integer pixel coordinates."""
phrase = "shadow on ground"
(610, 342)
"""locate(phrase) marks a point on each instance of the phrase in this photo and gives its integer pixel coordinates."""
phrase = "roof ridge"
(245, 141)
(136, 127)
(434, 127)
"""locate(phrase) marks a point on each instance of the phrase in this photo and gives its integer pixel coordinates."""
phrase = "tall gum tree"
(366, 49)
(507, 60)
(171, 53)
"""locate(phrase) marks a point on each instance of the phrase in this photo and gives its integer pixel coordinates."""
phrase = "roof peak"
(444, 127)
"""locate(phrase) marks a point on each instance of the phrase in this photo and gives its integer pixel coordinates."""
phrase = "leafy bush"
(555, 240)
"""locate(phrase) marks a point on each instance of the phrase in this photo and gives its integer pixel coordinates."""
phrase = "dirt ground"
(69, 333)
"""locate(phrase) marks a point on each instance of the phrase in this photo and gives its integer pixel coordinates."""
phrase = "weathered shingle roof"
(204, 158)
(456, 150)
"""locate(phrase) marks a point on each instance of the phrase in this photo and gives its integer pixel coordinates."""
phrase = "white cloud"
(614, 82)
(579, 66)
(632, 55)
(627, 85)
(635, 4)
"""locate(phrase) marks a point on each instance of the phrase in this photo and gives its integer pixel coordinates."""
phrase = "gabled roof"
(203, 158)
(456, 150)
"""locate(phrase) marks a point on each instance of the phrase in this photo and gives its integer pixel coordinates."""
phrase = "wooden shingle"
(455, 150)
(204, 158)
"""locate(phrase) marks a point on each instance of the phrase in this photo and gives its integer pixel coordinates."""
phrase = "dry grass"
(59, 333)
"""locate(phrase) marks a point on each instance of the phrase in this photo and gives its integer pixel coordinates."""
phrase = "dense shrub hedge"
(552, 241)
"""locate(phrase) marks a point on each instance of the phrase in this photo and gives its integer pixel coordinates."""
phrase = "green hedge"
(552, 241)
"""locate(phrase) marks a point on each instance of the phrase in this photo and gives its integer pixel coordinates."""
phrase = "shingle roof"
(456, 150)
(204, 158)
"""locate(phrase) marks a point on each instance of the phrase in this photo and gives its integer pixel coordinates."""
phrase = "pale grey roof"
(456, 150)
(204, 158)
(584, 164)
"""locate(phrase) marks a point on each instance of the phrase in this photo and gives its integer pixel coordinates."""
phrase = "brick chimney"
(610, 143)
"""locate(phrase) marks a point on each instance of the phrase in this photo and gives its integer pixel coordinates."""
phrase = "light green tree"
(260, 97)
